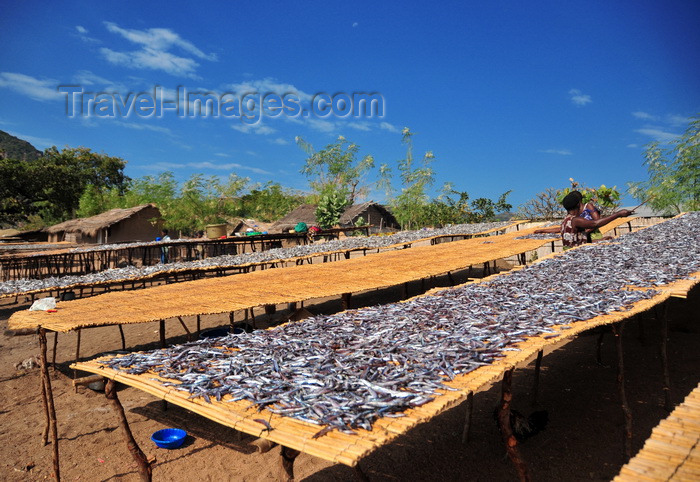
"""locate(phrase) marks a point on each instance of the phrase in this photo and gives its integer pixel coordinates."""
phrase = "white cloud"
(265, 86)
(158, 39)
(83, 35)
(30, 86)
(643, 115)
(389, 127)
(677, 120)
(280, 141)
(145, 127)
(152, 59)
(164, 166)
(360, 126)
(86, 77)
(321, 125)
(658, 134)
(560, 152)
(222, 154)
(154, 54)
(229, 166)
(259, 128)
(632, 146)
(355, 24)
(579, 98)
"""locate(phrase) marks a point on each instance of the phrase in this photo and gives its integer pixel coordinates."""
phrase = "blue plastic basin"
(169, 438)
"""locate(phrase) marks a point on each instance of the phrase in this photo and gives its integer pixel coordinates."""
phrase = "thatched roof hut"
(372, 213)
(140, 223)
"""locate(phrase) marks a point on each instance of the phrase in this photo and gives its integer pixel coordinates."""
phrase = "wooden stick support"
(45, 404)
(536, 383)
(145, 469)
(617, 331)
(466, 433)
(506, 431)
(252, 317)
(121, 333)
(53, 355)
(50, 405)
(287, 460)
(599, 346)
(187, 330)
(661, 315)
(162, 333)
(345, 301)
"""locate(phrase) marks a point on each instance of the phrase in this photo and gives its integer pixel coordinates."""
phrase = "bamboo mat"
(616, 224)
(275, 286)
(350, 449)
(673, 450)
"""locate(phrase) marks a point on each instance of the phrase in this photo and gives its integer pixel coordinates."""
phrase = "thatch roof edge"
(90, 226)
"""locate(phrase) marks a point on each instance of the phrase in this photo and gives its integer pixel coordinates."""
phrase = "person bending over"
(573, 228)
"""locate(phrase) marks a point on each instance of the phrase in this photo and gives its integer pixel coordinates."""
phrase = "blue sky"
(507, 95)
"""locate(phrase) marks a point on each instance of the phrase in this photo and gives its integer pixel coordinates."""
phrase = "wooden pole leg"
(599, 347)
(45, 405)
(145, 469)
(161, 332)
(55, 345)
(506, 431)
(662, 316)
(121, 334)
(345, 301)
(466, 433)
(536, 383)
(51, 409)
(287, 459)
(617, 331)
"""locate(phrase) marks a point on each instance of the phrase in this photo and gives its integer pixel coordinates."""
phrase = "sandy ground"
(583, 441)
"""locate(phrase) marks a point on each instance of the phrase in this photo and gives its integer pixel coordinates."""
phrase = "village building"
(372, 213)
(140, 223)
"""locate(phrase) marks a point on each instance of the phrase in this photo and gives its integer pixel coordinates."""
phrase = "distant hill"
(14, 148)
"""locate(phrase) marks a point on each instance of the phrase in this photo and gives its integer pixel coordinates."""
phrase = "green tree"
(674, 173)
(447, 209)
(416, 176)
(17, 191)
(485, 209)
(50, 187)
(335, 169)
(607, 198)
(330, 207)
(269, 202)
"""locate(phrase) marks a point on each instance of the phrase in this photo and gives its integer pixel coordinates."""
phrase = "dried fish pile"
(20, 247)
(346, 370)
(400, 237)
(13, 287)
(540, 236)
